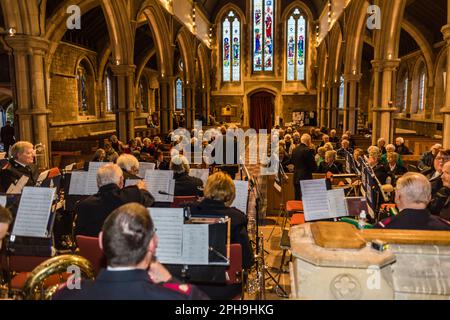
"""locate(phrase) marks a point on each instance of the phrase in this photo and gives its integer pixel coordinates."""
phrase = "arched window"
(341, 94)
(421, 104)
(143, 95)
(405, 95)
(85, 82)
(296, 46)
(231, 48)
(263, 16)
(178, 94)
(108, 91)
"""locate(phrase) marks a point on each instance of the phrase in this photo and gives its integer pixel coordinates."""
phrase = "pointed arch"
(184, 39)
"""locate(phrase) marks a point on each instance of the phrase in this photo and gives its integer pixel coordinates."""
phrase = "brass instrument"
(34, 288)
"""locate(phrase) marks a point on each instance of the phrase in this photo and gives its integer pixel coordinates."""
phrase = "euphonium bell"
(36, 288)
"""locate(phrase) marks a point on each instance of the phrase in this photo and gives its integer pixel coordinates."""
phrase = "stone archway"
(262, 110)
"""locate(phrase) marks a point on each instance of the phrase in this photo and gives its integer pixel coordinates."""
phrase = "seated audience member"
(317, 134)
(325, 140)
(130, 166)
(139, 143)
(312, 132)
(320, 156)
(377, 167)
(147, 147)
(333, 138)
(20, 164)
(220, 193)
(288, 141)
(330, 164)
(185, 185)
(157, 143)
(390, 148)
(5, 220)
(345, 150)
(328, 146)
(426, 162)
(350, 139)
(400, 147)
(129, 242)
(381, 144)
(160, 163)
(295, 142)
(393, 169)
(440, 203)
(413, 193)
(434, 174)
(111, 153)
(92, 212)
(99, 155)
(356, 166)
(284, 158)
(116, 144)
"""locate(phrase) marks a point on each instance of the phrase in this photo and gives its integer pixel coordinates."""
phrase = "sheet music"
(78, 180)
(42, 176)
(91, 182)
(3, 200)
(240, 201)
(69, 167)
(337, 205)
(202, 174)
(196, 244)
(169, 224)
(131, 182)
(144, 166)
(314, 195)
(34, 212)
(17, 188)
(160, 180)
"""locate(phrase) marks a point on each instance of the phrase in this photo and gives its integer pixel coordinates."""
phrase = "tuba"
(37, 288)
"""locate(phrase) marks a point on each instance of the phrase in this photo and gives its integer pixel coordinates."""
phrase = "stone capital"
(385, 64)
(446, 32)
(352, 77)
(123, 70)
(25, 43)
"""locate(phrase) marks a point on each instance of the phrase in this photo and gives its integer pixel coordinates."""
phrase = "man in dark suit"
(92, 212)
(304, 164)
(7, 136)
(440, 203)
(400, 147)
(161, 164)
(185, 185)
(129, 242)
(21, 164)
(413, 193)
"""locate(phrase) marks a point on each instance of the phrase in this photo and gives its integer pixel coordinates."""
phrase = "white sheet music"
(144, 166)
(34, 212)
(169, 224)
(314, 196)
(196, 244)
(3, 200)
(17, 188)
(202, 174)
(160, 180)
(240, 202)
(337, 205)
(91, 183)
(42, 176)
(78, 180)
(69, 167)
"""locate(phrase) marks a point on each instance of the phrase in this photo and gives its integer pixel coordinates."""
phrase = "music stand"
(282, 178)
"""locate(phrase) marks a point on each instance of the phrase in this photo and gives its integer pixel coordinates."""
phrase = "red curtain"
(261, 111)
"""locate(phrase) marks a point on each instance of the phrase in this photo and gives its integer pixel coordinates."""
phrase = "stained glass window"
(421, 92)
(179, 94)
(341, 93)
(231, 48)
(108, 91)
(405, 95)
(295, 46)
(263, 16)
(83, 102)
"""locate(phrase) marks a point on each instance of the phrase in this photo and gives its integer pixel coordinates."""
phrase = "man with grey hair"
(400, 147)
(21, 164)
(129, 165)
(92, 212)
(412, 196)
(185, 185)
(304, 163)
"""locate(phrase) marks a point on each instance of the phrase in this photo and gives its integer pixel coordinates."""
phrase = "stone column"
(165, 114)
(329, 105)
(351, 102)
(377, 66)
(30, 87)
(334, 112)
(323, 103)
(446, 110)
(386, 110)
(205, 105)
(125, 101)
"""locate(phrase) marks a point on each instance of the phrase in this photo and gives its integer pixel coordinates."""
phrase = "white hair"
(179, 164)
(390, 147)
(108, 174)
(400, 139)
(414, 188)
(305, 139)
(128, 162)
(381, 139)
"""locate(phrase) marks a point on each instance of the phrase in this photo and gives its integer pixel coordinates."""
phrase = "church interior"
(109, 107)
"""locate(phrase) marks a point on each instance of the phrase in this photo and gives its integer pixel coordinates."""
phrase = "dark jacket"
(129, 176)
(129, 285)
(164, 165)
(186, 185)
(426, 162)
(436, 182)
(92, 212)
(402, 150)
(398, 170)
(380, 173)
(7, 136)
(335, 168)
(414, 219)
(303, 160)
(13, 171)
(440, 204)
(239, 233)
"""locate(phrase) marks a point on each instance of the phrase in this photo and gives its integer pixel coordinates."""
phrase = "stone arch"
(419, 66)
(160, 31)
(440, 83)
(188, 54)
(403, 93)
(22, 15)
(425, 47)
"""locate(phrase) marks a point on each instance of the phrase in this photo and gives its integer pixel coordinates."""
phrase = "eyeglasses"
(445, 159)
